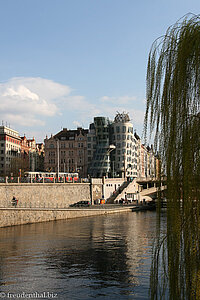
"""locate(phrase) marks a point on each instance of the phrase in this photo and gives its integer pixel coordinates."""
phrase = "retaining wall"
(44, 195)
(47, 202)
(17, 216)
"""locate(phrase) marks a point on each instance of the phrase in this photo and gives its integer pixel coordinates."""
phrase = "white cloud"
(33, 103)
(83, 109)
(23, 121)
(27, 100)
(20, 91)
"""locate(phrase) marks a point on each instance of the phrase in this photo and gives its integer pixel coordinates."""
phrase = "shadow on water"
(104, 257)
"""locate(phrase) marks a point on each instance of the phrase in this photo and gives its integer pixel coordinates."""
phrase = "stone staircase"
(130, 187)
(118, 192)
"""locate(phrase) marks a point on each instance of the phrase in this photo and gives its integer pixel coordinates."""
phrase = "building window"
(118, 129)
(124, 129)
(130, 130)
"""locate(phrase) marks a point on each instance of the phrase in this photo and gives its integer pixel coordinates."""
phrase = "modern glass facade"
(100, 164)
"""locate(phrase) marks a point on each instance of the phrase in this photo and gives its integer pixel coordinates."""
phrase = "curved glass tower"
(100, 165)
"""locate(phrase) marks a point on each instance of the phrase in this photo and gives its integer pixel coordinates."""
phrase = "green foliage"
(173, 112)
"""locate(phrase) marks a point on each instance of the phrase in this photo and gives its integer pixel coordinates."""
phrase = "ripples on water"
(104, 257)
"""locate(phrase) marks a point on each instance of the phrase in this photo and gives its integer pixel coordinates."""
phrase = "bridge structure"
(140, 189)
(150, 188)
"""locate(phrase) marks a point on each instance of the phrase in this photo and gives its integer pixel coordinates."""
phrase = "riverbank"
(20, 216)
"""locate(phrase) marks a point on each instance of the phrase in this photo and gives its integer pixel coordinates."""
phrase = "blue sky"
(63, 62)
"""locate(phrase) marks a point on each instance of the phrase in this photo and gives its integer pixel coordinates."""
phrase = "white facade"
(125, 156)
(10, 149)
(111, 185)
(147, 162)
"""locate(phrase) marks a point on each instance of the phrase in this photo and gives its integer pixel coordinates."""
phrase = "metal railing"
(33, 204)
(7, 204)
(8, 179)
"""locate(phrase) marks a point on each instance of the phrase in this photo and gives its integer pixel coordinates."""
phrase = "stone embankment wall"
(48, 202)
(17, 216)
(44, 195)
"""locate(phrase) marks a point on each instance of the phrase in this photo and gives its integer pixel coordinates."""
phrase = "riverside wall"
(38, 202)
(44, 195)
(20, 216)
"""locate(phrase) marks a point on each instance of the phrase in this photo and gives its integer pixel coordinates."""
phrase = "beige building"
(148, 162)
(66, 151)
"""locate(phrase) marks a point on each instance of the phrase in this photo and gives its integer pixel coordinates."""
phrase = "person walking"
(14, 201)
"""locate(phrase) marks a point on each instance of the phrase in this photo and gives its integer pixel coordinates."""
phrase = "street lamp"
(57, 142)
(110, 149)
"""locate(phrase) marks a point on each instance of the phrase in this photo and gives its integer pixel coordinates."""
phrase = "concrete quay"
(20, 216)
(49, 202)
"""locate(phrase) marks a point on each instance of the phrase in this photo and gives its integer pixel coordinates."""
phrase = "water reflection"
(103, 257)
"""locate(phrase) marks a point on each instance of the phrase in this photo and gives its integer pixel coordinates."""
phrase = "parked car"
(85, 203)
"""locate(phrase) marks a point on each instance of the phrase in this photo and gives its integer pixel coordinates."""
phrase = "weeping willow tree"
(173, 117)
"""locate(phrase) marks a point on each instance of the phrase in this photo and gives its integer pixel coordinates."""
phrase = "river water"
(103, 257)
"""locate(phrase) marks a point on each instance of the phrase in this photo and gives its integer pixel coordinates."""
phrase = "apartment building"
(32, 155)
(10, 150)
(25, 148)
(116, 150)
(67, 151)
(148, 162)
